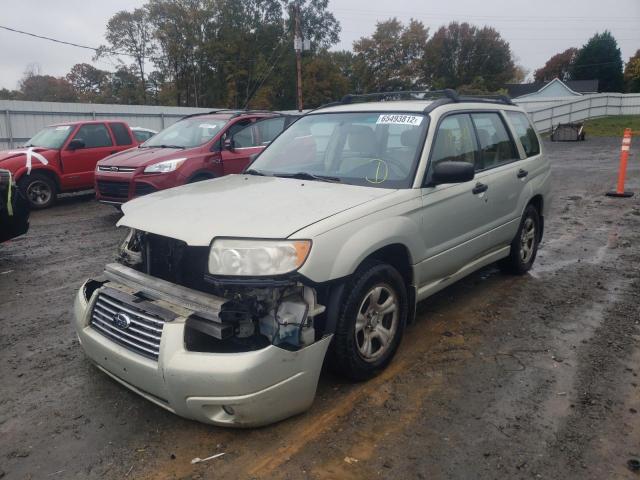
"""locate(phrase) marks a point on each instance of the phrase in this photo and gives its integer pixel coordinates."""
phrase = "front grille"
(143, 189)
(102, 168)
(143, 333)
(119, 190)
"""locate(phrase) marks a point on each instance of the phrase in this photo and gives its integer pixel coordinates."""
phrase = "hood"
(48, 153)
(242, 206)
(141, 157)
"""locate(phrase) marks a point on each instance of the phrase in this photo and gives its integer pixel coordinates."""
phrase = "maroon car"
(197, 147)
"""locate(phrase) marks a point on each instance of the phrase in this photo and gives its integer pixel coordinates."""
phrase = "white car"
(142, 134)
(229, 294)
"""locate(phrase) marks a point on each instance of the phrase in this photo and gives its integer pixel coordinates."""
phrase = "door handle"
(480, 188)
(522, 173)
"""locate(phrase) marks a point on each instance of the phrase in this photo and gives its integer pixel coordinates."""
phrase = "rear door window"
(525, 132)
(94, 135)
(496, 147)
(121, 133)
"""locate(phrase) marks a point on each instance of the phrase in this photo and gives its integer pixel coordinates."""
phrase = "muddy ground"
(500, 377)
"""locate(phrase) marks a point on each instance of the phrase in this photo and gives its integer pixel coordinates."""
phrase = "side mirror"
(76, 144)
(449, 171)
(229, 144)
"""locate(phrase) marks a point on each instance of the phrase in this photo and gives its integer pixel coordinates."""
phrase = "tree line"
(237, 54)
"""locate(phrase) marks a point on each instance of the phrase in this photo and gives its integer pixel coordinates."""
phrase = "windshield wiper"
(253, 171)
(308, 176)
(168, 146)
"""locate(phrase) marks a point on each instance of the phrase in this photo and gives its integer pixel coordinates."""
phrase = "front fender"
(338, 252)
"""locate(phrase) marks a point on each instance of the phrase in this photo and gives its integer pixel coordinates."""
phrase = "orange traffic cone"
(624, 157)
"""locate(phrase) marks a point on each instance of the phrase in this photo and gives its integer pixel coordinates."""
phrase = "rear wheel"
(39, 190)
(370, 323)
(524, 246)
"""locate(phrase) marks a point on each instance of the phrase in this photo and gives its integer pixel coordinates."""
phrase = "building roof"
(580, 86)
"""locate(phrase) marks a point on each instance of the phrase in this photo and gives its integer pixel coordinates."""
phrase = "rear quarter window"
(525, 132)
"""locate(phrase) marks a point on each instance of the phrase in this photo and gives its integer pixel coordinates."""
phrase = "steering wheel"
(378, 170)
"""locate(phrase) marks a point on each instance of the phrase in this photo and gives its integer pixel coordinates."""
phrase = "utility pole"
(298, 45)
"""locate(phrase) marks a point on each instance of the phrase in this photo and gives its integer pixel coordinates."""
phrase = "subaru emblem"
(121, 320)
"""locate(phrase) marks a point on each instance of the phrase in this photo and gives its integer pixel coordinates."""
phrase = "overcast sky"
(536, 29)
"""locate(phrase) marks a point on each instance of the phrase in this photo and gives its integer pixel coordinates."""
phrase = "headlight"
(165, 167)
(254, 258)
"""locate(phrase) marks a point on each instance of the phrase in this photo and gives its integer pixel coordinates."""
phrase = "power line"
(22, 32)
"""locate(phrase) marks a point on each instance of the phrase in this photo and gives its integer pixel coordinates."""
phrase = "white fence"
(20, 120)
(547, 112)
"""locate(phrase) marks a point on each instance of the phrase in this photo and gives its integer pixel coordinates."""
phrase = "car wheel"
(371, 321)
(39, 190)
(524, 246)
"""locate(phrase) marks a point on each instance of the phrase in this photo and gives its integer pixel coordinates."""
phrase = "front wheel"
(524, 246)
(370, 323)
(39, 190)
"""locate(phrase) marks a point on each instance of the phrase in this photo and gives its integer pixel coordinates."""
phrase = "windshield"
(187, 133)
(50, 137)
(375, 149)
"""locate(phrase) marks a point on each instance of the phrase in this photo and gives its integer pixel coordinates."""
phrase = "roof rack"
(439, 97)
(235, 111)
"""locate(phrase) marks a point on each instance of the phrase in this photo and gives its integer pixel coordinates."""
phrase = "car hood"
(242, 206)
(48, 153)
(141, 157)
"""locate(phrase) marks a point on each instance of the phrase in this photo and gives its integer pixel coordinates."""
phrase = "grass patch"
(612, 126)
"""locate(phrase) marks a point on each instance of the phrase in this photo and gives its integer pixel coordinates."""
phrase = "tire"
(524, 246)
(365, 338)
(39, 190)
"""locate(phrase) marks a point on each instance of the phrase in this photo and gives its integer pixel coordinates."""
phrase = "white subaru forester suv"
(229, 295)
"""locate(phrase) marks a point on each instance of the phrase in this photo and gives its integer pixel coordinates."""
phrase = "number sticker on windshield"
(63, 127)
(396, 119)
(208, 126)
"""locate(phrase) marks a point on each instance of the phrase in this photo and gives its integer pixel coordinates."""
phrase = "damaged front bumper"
(245, 389)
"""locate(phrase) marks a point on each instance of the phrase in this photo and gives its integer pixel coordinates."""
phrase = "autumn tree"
(632, 74)
(558, 66)
(600, 59)
(461, 54)
(45, 88)
(391, 58)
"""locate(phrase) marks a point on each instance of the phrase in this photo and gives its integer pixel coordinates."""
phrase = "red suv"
(63, 157)
(197, 147)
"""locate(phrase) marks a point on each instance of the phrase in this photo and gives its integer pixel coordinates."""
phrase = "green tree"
(600, 59)
(557, 66)
(90, 83)
(461, 55)
(391, 58)
(632, 74)
(131, 33)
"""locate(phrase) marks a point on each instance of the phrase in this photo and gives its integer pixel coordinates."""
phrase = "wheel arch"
(42, 171)
(538, 202)
(200, 175)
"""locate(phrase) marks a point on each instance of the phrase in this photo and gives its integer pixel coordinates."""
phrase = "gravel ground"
(499, 377)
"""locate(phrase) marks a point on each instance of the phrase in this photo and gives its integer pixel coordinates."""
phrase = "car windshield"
(50, 137)
(376, 149)
(187, 133)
